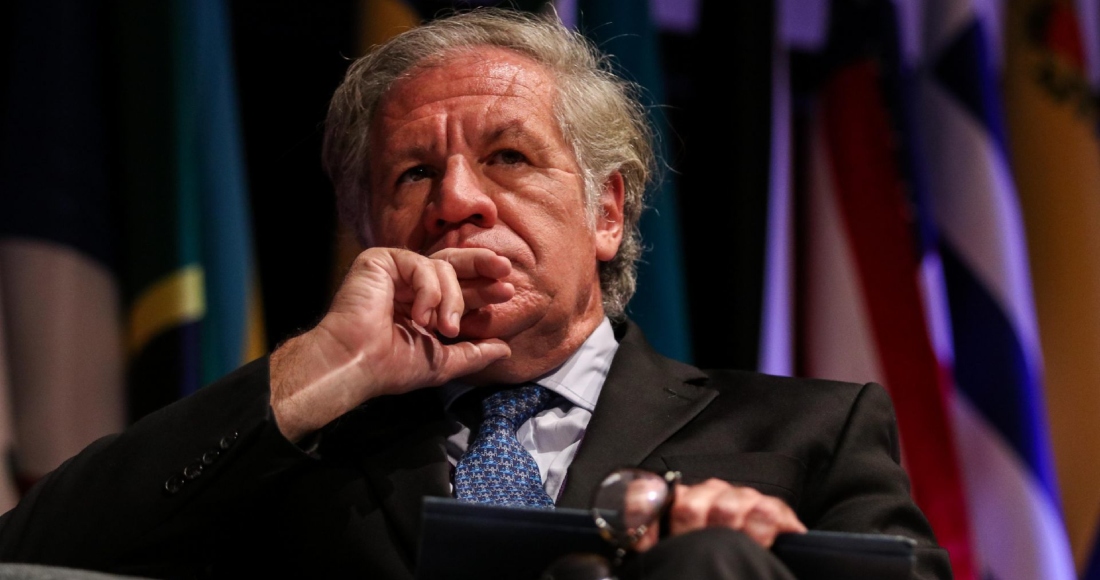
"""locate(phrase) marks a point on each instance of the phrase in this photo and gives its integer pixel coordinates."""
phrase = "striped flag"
(866, 258)
(1000, 415)
(58, 292)
(1052, 124)
(190, 287)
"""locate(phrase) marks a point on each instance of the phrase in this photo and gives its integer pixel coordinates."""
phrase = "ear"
(609, 220)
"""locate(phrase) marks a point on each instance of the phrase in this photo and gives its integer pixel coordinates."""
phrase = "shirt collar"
(579, 379)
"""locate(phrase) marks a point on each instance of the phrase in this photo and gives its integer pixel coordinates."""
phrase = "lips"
(498, 240)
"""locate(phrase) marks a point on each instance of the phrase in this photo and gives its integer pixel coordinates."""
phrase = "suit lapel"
(644, 401)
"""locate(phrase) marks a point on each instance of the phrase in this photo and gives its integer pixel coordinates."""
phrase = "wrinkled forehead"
(481, 71)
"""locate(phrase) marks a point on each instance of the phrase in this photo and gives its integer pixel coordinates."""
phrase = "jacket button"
(227, 441)
(192, 471)
(210, 457)
(174, 484)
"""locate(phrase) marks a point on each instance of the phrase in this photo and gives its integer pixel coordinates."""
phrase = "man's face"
(469, 154)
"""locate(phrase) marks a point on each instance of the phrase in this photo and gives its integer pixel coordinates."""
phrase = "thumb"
(467, 357)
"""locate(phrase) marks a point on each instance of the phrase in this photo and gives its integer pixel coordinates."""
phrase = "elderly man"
(495, 169)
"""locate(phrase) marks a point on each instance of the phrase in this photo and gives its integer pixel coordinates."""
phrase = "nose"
(461, 198)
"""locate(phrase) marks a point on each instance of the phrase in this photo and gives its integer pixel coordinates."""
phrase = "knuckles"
(726, 511)
(719, 503)
(368, 259)
(447, 268)
(768, 509)
(688, 511)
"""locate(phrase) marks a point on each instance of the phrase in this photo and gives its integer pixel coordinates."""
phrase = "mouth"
(495, 240)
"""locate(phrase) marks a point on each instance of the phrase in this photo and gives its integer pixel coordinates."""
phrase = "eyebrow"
(414, 151)
(510, 129)
(514, 129)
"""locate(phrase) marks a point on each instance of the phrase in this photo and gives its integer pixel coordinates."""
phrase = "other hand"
(719, 503)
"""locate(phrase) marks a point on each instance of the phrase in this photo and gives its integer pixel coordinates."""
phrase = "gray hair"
(598, 113)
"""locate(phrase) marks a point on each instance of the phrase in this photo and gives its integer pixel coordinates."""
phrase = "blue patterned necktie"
(496, 469)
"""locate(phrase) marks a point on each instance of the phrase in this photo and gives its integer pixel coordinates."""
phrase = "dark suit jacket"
(208, 486)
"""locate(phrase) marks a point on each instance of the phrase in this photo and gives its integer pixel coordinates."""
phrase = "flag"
(1052, 127)
(381, 20)
(865, 258)
(193, 307)
(624, 30)
(59, 296)
(999, 411)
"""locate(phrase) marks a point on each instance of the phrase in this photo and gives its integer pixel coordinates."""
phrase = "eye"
(508, 157)
(414, 174)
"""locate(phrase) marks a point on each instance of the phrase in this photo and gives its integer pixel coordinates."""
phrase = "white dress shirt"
(553, 436)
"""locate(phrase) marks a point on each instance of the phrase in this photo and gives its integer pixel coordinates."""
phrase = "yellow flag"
(1052, 127)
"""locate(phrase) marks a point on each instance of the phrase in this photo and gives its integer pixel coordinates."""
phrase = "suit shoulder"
(637, 362)
(791, 393)
(726, 379)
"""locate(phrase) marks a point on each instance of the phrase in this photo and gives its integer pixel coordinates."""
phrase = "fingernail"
(455, 318)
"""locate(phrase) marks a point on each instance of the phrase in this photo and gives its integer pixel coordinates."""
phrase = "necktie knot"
(517, 405)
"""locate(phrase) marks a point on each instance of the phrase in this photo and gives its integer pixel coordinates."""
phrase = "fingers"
(451, 302)
(443, 287)
(427, 293)
(480, 272)
(767, 519)
(475, 262)
(692, 506)
(718, 503)
(479, 293)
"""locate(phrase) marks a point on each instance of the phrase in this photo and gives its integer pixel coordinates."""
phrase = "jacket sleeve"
(143, 501)
(865, 488)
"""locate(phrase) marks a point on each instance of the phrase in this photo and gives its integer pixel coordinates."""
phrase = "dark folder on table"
(461, 540)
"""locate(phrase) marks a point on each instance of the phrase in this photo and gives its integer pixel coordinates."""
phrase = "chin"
(490, 322)
(504, 320)
(497, 373)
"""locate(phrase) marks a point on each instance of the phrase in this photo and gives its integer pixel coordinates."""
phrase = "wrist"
(311, 385)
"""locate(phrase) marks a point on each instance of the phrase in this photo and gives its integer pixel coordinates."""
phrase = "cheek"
(545, 233)
(396, 213)
(563, 251)
(554, 203)
(397, 226)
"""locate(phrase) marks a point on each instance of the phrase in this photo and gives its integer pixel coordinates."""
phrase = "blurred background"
(901, 191)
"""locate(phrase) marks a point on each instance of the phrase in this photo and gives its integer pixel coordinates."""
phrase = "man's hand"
(382, 334)
(718, 503)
